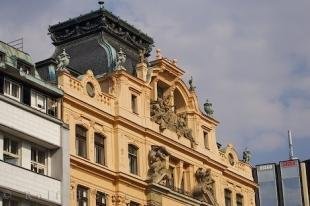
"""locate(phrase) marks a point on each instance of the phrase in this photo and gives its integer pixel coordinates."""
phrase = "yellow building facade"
(137, 134)
(117, 108)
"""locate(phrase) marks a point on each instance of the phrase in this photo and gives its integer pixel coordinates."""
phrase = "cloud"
(252, 59)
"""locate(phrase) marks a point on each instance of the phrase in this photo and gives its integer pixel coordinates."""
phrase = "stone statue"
(208, 108)
(120, 60)
(163, 114)
(246, 156)
(158, 166)
(183, 130)
(204, 190)
(62, 60)
(191, 86)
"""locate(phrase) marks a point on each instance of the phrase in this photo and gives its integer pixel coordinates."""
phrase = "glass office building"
(290, 181)
(283, 184)
(267, 179)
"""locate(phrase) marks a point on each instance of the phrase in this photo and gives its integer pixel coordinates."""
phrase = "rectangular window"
(99, 149)
(10, 202)
(133, 159)
(239, 200)
(38, 101)
(206, 139)
(132, 203)
(134, 106)
(38, 161)
(52, 107)
(11, 151)
(80, 141)
(82, 196)
(227, 194)
(100, 199)
(12, 89)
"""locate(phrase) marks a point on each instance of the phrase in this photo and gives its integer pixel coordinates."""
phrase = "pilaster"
(1, 147)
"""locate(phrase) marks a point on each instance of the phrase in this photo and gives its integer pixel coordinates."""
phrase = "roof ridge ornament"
(101, 4)
(120, 60)
(208, 108)
(191, 85)
(63, 60)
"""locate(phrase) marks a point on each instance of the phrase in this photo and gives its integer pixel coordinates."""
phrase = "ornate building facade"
(137, 134)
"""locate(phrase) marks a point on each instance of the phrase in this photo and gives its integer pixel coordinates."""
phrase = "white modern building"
(34, 160)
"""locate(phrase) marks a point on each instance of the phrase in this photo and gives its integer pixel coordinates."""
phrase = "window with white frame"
(38, 101)
(99, 149)
(38, 160)
(11, 151)
(12, 89)
(101, 199)
(82, 196)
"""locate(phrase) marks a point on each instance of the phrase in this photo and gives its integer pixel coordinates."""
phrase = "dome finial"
(101, 3)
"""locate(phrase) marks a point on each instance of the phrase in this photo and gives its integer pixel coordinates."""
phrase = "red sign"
(289, 163)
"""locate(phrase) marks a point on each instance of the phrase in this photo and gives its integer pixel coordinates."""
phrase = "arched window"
(227, 194)
(99, 149)
(133, 159)
(80, 141)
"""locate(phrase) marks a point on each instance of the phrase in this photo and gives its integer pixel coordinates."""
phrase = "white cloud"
(244, 56)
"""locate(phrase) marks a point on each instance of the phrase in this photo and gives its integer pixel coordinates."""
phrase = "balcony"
(30, 122)
(29, 183)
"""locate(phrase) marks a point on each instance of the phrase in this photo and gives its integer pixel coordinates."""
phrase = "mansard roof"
(94, 39)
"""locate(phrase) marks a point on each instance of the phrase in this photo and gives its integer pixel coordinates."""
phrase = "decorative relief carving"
(159, 166)
(163, 114)
(204, 190)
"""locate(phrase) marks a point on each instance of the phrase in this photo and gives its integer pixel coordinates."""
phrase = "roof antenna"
(290, 145)
(101, 3)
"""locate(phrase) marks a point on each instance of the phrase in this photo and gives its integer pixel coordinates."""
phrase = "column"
(25, 155)
(91, 143)
(1, 148)
(1, 203)
(73, 193)
(92, 197)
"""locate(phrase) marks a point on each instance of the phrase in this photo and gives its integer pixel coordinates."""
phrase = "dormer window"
(38, 101)
(12, 89)
(22, 66)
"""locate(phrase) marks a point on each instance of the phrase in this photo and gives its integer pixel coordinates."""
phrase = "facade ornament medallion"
(207, 106)
(120, 60)
(204, 190)
(159, 166)
(163, 114)
(63, 60)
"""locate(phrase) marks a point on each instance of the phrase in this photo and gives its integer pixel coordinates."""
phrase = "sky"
(251, 59)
